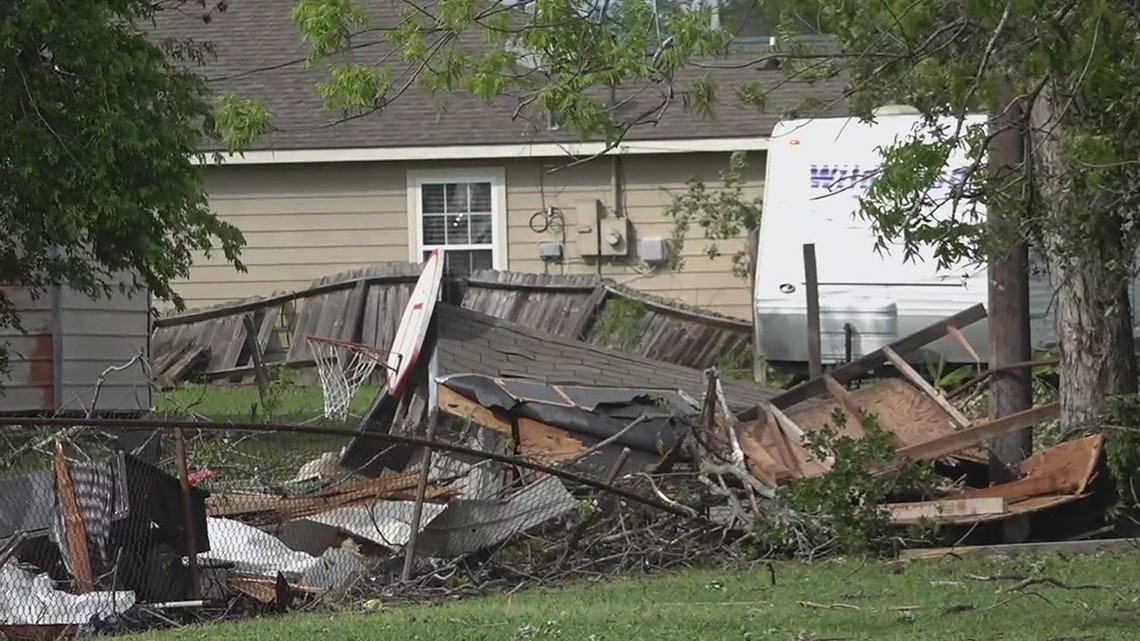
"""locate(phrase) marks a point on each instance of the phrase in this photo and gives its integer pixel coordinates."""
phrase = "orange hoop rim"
(368, 350)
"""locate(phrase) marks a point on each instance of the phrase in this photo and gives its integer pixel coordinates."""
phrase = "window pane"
(481, 229)
(481, 197)
(458, 229)
(431, 199)
(460, 263)
(435, 230)
(456, 197)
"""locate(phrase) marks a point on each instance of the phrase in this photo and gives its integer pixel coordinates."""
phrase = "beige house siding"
(648, 187)
(302, 222)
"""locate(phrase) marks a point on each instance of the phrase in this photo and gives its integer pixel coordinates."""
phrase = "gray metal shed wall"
(94, 335)
(28, 385)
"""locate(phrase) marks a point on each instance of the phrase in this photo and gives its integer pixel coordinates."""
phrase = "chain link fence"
(110, 528)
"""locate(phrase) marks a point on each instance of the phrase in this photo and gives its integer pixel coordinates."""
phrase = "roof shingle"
(260, 55)
(468, 342)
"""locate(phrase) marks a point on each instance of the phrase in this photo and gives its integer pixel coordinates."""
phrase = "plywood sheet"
(900, 409)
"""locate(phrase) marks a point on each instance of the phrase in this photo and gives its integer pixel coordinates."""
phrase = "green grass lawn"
(287, 402)
(827, 600)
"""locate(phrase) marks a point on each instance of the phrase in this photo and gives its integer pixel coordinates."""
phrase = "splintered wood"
(1054, 477)
(910, 416)
(213, 344)
(536, 440)
(287, 508)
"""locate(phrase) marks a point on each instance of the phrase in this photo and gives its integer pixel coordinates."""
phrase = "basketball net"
(342, 367)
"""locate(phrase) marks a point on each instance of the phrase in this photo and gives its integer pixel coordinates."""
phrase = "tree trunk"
(1011, 391)
(1093, 318)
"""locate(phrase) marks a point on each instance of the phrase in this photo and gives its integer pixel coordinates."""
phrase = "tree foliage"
(1057, 75)
(98, 135)
(722, 213)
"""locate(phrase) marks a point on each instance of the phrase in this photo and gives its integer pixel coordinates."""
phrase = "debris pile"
(497, 454)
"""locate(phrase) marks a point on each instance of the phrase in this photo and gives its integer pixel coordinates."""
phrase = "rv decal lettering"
(843, 177)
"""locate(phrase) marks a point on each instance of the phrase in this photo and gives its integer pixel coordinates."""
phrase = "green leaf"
(241, 121)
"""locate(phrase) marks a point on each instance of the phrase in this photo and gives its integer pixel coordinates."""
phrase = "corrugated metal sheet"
(72, 341)
(571, 306)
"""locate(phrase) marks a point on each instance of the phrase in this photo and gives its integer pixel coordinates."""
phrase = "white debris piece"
(27, 599)
(256, 552)
(387, 523)
(469, 525)
(325, 466)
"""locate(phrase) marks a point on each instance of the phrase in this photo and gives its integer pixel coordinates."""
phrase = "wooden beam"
(844, 397)
(856, 368)
(964, 439)
(1029, 487)
(795, 433)
(945, 510)
(1074, 548)
(534, 438)
(75, 537)
(811, 290)
(914, 377)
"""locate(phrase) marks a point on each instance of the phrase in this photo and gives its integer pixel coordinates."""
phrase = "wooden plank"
(961, 339)
(179, 370)
(856, 368)
(279, 299)
(795, 434)
(75, 537)
(1028, 487)
(1074, 548)
(850, 407)
(909, 372)
(1076, 460)
(535, 438)
(811, 290)
(593, 307)
(255, 358)
(945, 510)
(354, 313)
(980, 433)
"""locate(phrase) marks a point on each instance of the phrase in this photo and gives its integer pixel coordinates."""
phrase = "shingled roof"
(468, 342)
(259, 55)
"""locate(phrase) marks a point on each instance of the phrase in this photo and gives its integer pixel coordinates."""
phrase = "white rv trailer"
(817, 170)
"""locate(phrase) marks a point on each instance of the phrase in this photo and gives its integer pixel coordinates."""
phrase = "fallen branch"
(666, 500)
(1048, 580)
(996, 577)
(829, 606)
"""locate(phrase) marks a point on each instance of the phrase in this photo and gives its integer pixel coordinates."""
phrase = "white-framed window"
(463, 212)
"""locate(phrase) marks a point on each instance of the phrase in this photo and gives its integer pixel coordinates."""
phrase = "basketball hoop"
(343, 367)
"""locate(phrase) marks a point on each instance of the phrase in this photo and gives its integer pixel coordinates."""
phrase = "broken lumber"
(979, 432)
(1018, 549)
(913, 376)
(945, 511)
(75, 530)
(856, 368)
